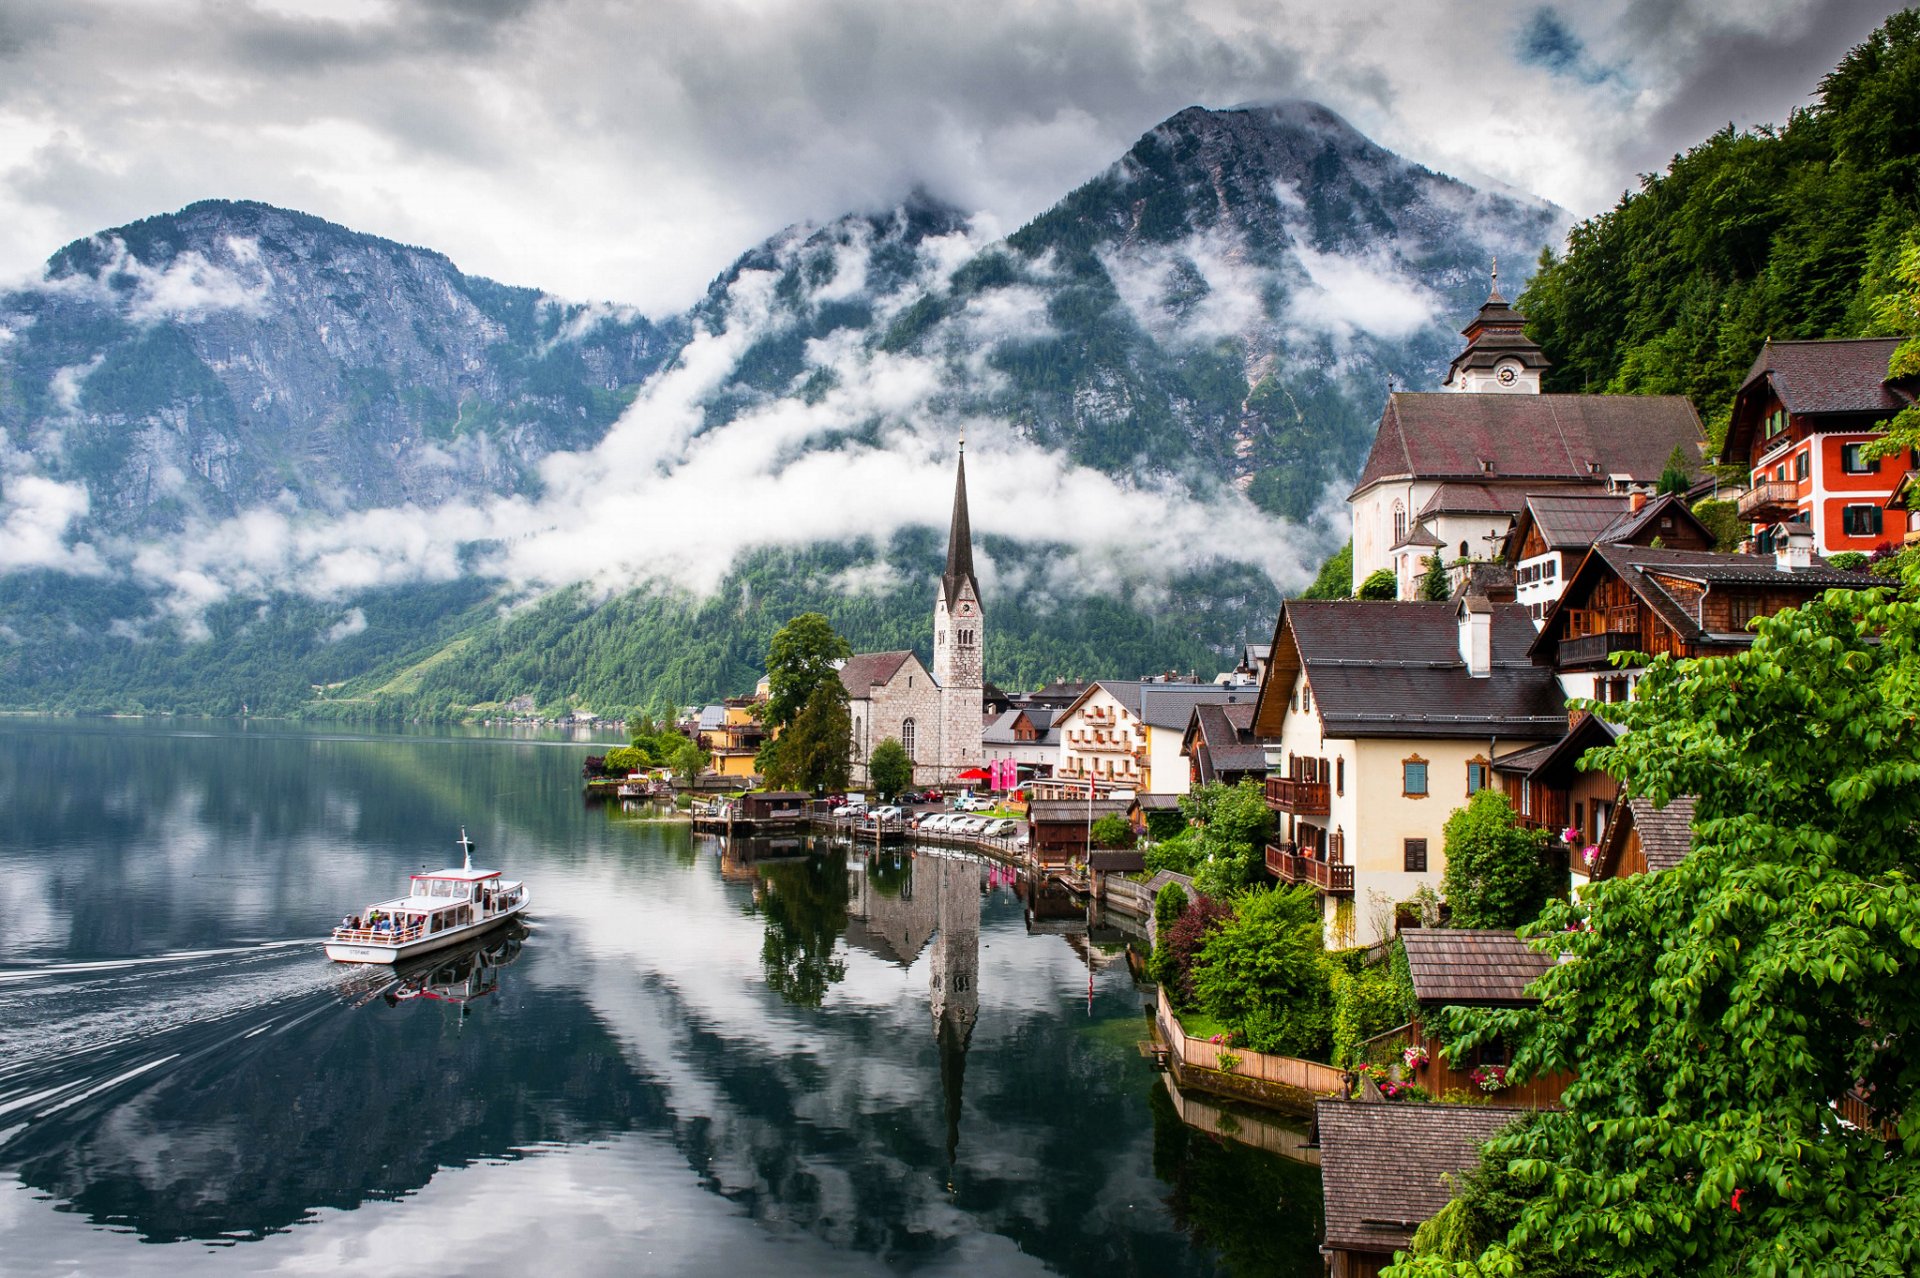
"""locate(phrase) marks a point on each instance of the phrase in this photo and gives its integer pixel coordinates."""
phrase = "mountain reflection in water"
(694, 1060)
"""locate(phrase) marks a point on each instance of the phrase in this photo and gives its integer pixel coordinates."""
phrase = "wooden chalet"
(1221, 746)
(1554, 531)
(1473, 967)
(1549, 790)
(1384, 1170)
(1646, 839)
(1636, 599)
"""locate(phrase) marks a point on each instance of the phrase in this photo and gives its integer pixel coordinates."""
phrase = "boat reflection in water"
(461, 975)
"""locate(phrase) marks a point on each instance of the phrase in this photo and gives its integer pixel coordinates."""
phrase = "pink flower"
(1590, 853)
(1570, 835)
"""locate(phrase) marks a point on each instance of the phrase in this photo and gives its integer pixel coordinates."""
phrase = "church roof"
(1503, 438)
(866, 669)
(959, 541)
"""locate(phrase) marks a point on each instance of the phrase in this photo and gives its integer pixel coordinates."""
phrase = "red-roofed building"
(1800, 423)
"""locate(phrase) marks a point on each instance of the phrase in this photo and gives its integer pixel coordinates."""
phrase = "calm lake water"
(686, 1063)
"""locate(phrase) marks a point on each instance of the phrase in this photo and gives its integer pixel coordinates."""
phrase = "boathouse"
(1473, 967)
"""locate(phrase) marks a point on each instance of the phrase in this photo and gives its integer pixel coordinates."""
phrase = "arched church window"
(1399, 523)
(907, 738)
(856, 737)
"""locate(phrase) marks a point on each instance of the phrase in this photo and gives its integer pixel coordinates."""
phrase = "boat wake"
(73, 1032)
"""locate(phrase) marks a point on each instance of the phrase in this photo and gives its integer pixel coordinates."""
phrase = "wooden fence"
(1274, 1077)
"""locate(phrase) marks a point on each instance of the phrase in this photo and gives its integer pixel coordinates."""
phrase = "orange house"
(1800, 424)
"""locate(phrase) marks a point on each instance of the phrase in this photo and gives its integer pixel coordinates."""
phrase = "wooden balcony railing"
(1302, 798)
(1592, 649)
(1768, 501)
(1289, 866)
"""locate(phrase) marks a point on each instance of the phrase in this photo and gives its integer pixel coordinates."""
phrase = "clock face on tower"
(1507, 374)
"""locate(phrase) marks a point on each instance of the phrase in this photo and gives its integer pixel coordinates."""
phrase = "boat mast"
(466, 849)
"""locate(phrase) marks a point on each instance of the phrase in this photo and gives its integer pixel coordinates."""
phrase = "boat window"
(441, 887)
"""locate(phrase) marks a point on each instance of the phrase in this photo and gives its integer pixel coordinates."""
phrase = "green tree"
(1264, 971)
(1379, 585)
(1898, 314)
(1722, 519)
(1335, 579)
(805, 907)
(1709, 1015)
(802, 657)
(688, 760)
(1497, 874)
(812, 753)
(890, 767)
(1677, 475)
(1228, 831)
(1111, 831)
(1434, 586)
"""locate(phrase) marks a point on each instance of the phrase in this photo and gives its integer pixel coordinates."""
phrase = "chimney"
(1475, 616)
(1637, 502)
(1792, 546)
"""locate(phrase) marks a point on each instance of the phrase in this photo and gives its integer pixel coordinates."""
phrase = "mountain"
(233, 354)
(251, 457)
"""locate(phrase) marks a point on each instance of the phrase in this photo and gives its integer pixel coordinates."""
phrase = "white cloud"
(1367, 294)
(352, 624)
(35, 514)
(66, 383)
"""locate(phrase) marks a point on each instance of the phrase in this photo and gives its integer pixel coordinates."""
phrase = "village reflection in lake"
(695, 1058)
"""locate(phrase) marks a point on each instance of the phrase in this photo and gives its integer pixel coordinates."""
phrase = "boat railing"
(379, 936)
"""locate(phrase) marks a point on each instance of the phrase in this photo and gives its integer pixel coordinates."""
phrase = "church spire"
(959, 537)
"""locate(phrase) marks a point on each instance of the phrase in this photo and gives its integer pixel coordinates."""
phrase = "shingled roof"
(1394, 670)
(866, 669)
(1571, 438)
(1226, 731)
(1471, 965)
(1818, 377)
(1666, 835)
(1383, 1166)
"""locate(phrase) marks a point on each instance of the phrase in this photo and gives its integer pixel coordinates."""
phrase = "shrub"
(1365, 1003)
(1380, 584)
(1848, 560)
(1264, 970)
(1202, 917)
(1112, 831)
(1496, 873)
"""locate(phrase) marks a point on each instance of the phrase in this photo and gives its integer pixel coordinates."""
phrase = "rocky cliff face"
(232, 355)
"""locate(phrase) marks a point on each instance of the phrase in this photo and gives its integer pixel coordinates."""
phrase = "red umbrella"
(976, 774)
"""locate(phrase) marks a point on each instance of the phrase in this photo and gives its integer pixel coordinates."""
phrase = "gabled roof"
(866, 669)
(1383, 1167)
(1557, 762)
(1641, 526)
(1394, 670)
(1226, 733)
(1570, 438)
(1570, 520)
(1164, 705)
(1666, 835)
(1000, 731)
(1813, 378)
(1471, 965)
(1649, 573)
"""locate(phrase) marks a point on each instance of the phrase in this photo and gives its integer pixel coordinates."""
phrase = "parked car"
(1002, 828)
(972, 803)
(932, 796)
(970, 825)
(852, 811)
(936, 822)
(887, 813)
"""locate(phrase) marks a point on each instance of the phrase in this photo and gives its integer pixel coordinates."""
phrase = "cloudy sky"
(628, 150)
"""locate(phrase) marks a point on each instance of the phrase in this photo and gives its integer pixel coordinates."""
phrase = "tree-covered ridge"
(1789, 232)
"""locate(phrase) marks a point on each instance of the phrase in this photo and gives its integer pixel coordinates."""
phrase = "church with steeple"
(936, 714)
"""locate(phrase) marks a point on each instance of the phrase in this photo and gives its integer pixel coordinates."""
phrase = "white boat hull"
(366, 952)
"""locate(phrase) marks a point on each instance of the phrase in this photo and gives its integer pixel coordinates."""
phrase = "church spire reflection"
(954, 978)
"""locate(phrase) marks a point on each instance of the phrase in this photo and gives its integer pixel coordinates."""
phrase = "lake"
(786, 1059)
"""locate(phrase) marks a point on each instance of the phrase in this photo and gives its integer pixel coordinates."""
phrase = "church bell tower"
(959, 642)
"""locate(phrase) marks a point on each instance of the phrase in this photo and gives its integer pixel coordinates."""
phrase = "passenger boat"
(440, 909)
